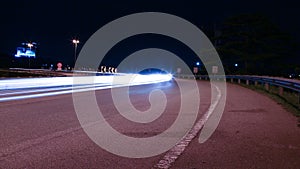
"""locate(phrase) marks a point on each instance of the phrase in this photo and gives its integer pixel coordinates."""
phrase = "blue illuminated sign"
(26, 50)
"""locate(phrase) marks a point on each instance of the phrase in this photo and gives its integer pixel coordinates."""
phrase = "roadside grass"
(15, 74)
(5, 73)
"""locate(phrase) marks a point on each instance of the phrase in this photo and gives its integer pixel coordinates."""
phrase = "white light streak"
(17, 89)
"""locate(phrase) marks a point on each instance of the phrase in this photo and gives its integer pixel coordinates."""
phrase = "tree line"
(253, 44)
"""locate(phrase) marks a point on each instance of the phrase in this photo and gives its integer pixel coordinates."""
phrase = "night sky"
(53, 24)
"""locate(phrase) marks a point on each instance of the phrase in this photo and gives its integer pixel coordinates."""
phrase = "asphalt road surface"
(254, 132)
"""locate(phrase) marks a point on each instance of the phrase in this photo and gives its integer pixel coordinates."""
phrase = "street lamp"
(30, 45)
(75, 41)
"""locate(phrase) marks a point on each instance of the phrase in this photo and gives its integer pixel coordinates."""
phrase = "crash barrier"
(289, 85)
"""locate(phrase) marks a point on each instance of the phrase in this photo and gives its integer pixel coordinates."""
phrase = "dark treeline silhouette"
(257, 46)
(10, 61)
(5, 60)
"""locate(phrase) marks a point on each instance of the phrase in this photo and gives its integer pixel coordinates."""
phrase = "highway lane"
(254, 132)
(45, 133)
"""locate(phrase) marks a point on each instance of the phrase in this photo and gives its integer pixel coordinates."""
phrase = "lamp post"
(75, 42)
(30, 45)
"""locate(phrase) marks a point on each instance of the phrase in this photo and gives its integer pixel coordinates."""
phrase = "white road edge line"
(173, 154)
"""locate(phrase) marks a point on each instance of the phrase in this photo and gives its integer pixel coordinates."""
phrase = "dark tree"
(257, 45)
(5, 60)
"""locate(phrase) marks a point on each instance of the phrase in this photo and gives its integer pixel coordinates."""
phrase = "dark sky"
(53, 24)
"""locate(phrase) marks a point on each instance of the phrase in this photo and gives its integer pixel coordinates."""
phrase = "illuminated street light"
(75, 41)
(30, 45)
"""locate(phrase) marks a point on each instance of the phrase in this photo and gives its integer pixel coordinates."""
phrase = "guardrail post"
(247, 82)
(231, 80)
(267, 86)
(280, 90)
(239, 81)
(256, 83)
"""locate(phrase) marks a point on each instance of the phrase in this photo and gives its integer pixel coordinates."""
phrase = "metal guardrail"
(287, 84)
(282, 84)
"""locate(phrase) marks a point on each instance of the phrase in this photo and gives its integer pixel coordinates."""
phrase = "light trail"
(57, 88)
(42, 87)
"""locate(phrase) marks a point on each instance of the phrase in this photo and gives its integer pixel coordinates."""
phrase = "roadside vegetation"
(7, 73)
